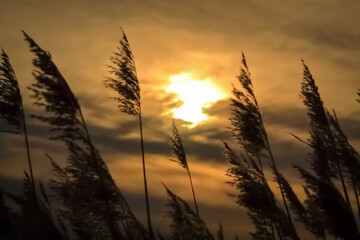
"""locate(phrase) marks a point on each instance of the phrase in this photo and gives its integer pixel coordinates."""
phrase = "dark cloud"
(297, 119)
(109, 140)
(220, 108)
(289, 117)
(327, 35)
(112, 141)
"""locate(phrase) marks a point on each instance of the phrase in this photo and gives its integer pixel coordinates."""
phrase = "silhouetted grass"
(249, 130)
(11, 107)
(34, 219)
(331, 156)
(255, 195)
(92, 206)
(185, 223)
(125, 82)
(179, 151)
(92, 202)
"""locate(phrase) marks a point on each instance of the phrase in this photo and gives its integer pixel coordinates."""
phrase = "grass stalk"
(110, 221)
(179, 151)
(29, 157)
(151, 233)
(193, 192)
(268, 147)
(281, 187)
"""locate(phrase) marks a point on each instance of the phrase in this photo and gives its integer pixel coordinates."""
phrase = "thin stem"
(110, 221)
(145, 181)
(356, 196)
(347, 196)
(341, 175)
(28, 155)
(338, 165)
(276, 173)
(193, 192)
(344, 186)
(281, 187)
(273, 162)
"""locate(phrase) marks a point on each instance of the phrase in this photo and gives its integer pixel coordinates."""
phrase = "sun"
(195, 96)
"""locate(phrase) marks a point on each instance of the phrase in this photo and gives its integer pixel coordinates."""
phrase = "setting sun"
(195, 95)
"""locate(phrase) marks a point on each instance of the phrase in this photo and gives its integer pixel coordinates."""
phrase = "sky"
(187, 54)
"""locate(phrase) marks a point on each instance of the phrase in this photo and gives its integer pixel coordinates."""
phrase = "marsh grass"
(249, 130)
(93, 208)
(178, 150)
(11, 108)
(125, 82)
(332, 158)
(185, 223)
(92, 202)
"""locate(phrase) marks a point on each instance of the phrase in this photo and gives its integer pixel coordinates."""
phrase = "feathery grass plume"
(10, 99)
(186, 224)
(125, 82)
(11, 107)
(33, 221)
(311, 221)
(91, 200)
(246, 119)
(255, 195)
(327, 142)
(179, 151)
(249, 130)
(327, 162)
(319, 126)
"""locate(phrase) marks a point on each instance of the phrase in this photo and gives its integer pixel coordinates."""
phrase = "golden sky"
(196, 45)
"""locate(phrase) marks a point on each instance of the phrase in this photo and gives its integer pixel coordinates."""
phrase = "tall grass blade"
(125, 82)
(348, 156)
(249, 130)
(179, 151)
(11, 107)
(310, 221)
(255, 195)
(92, 202)
(186, 224)
(327, 143)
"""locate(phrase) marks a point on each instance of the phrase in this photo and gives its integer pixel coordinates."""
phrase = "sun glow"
(195, 95)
